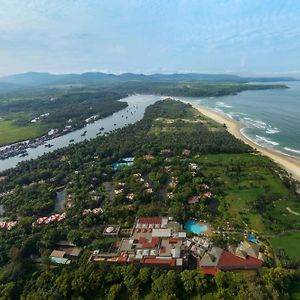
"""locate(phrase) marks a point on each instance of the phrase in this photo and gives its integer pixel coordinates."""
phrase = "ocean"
(271, 117)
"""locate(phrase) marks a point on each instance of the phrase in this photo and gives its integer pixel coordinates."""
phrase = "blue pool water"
(251, 238)
(195, 227)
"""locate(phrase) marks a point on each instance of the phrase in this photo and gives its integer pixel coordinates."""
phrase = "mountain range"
(38, 79)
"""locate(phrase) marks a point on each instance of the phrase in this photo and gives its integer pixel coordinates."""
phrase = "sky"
(150, 36)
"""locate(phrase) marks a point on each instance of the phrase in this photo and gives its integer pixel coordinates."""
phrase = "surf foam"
(262, 138)
(292, 150)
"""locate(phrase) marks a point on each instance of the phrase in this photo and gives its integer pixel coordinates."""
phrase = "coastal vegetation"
(194, 88)
(179, 153)
(31, 113)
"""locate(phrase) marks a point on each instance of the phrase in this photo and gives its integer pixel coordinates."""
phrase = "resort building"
(160, 241)
(154, 242)
(65, 252)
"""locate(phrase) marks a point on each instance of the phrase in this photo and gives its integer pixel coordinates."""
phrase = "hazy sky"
(147, 36)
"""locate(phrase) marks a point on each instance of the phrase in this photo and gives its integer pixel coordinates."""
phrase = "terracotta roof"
(149, 220)
(193, 200)
(229, 261)
(173, 241)
(158, 261)
(146, 244)
(210, 270)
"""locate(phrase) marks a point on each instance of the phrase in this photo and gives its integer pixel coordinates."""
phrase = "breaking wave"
(262, 138)
(222, 104)
(261, 125)
(292, 150)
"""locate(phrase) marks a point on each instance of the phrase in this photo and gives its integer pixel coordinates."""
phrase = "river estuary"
(131, 114)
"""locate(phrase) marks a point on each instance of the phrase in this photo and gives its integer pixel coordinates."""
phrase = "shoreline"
(289, 163)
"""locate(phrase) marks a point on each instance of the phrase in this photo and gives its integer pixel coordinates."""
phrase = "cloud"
(194, 35)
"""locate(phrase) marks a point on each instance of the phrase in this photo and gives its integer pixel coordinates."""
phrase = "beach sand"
(290, 164)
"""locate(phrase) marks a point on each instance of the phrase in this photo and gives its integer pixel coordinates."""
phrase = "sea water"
(271, 117)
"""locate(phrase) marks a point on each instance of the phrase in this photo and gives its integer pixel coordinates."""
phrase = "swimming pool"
(195, 227)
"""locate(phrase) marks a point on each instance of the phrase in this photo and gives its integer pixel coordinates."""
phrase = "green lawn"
(256, 177)
(10, 133)
(289, 242)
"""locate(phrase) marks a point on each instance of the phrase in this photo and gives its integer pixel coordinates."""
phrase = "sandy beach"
(290, 164)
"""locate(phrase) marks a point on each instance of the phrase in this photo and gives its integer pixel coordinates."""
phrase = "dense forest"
(75, 106)
(193, 88)
(174, 135)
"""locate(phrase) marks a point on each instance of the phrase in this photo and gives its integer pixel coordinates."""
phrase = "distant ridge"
(36, 79)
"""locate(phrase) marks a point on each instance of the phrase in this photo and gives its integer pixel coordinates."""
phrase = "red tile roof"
(162, 249)
(229, 261)
(157, 261)
(146, 220)
(193, 200)
(173, 241)
(146, 244)
(210, 270)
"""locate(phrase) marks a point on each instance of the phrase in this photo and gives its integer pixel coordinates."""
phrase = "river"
(271, 119)
(131, 114)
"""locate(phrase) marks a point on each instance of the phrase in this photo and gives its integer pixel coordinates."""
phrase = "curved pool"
(195, 227)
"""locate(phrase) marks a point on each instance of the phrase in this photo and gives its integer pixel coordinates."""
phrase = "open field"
(253, 192)
(289, 242)
(10, 133)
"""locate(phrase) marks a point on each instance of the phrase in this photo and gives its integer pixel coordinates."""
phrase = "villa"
(166, 151)
(118, 192)
(3, 178)
(148, 157)
(94, 211)
(186, 152)
(193, 200)
(207, 195)
(130, 196)
(8, 224)
(51, 219)
(193, 167)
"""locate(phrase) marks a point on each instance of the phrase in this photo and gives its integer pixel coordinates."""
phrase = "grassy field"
(245, 177)
(10, 133)
(289, 242)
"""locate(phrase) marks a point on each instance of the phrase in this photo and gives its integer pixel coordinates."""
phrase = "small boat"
(34, 145)
(102, 128)
(115, 124)
(72, 140)
(24, 154)
(48, 145)
(84, 133)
